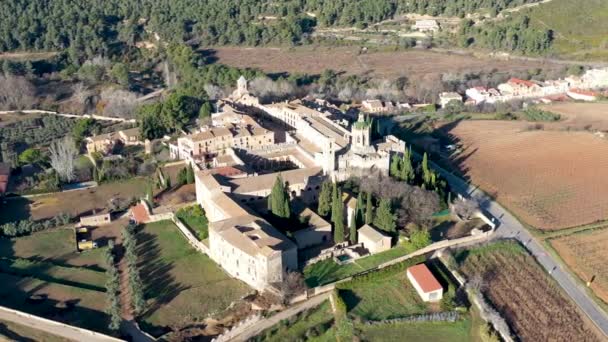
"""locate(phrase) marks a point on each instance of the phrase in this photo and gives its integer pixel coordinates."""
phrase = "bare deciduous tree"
(16, 92)
(465, 208)
(292, 285)
(62, 155)
(119, 103)
(214, 92)
(267, 89)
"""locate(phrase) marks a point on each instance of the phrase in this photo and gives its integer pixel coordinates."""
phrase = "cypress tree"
(336, 204)
(359, 210)
(279, 200)
(396, 167)
(385, 219)
(190, 175)
(338, 219)
(325, 199)
(407, 169)
(369, 210)
(352, 235)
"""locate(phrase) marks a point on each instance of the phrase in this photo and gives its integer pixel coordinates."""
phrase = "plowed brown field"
(552, 179)
(585, 253)
(390, 64)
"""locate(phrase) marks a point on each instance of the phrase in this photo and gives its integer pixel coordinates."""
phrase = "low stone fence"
(33, 321)
(238, 329)
(450, 316)
(73, 116)
(430, 248)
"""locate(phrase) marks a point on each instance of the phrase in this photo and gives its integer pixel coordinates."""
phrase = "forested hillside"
(98, 27)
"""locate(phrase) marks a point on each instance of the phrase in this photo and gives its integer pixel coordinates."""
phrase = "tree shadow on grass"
(160, 286)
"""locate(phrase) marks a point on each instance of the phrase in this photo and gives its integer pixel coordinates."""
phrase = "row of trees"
(136, 288)
(404, 169)
(26, 227)
(112, 288)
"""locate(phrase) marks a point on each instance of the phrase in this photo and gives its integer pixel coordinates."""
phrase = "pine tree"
(369, 210)
(385, 219)
(352, 235)
(325, 199)
(279, 200)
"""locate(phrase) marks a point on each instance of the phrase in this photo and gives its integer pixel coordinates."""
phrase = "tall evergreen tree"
(279, 199)
(325, 199)
(359, 212)
(338, 220)
(407, 169)
(385, 219)
(336, 202)
(352, 235)
(369, 210)
(395, 168)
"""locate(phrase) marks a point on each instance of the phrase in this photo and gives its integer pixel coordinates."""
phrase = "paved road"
(271, 321)
(510, 227)
(53, 328)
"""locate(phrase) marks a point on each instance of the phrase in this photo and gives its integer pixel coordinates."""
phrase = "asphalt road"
(510, 227)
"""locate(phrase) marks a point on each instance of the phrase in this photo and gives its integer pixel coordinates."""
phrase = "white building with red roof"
(582, 95)
(520, 88)
(425, 283)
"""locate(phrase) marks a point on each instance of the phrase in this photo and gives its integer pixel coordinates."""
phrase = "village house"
(518, 88)
(427, 286)
(426, 25)
(582, 95)
(105, 143)
(447, 97)
(377, 106)
(482, 94)
(373, 240)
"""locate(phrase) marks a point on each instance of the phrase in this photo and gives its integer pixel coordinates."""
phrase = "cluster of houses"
(576, 87)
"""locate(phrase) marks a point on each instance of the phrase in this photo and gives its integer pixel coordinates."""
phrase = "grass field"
(17, 332)
(517, 286)
(75, 203)
(580, 27)
(386, 298)
(44, 275)
(182, 285)
(550, 178)
(194, 218)
(311, 325)
(328, 271)
(585, 253)
(420, 332)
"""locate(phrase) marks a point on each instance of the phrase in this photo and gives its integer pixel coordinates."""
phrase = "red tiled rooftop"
(139, 213)
(522, 82)
(424, 278)
(583, 92)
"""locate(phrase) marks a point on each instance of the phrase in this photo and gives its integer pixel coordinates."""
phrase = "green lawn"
(419, 331)
(328, 271)
(311, 325)
(182, 285)
(384, 298)
(194, 218)
(43, 274)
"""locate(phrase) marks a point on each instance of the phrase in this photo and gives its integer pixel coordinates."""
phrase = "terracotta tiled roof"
(425, 279)
(139, 213)
(522, 82)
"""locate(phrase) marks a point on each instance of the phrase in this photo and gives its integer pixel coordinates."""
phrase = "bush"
(536, 114)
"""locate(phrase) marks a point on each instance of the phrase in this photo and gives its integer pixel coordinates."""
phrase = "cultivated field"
(585, 253)
(75, 203)
(183, 286)
(534, 306)
(390, 64)
(551, 179)
(577, 116)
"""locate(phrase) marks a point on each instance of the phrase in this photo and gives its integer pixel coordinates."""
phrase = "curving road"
(510, 227)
